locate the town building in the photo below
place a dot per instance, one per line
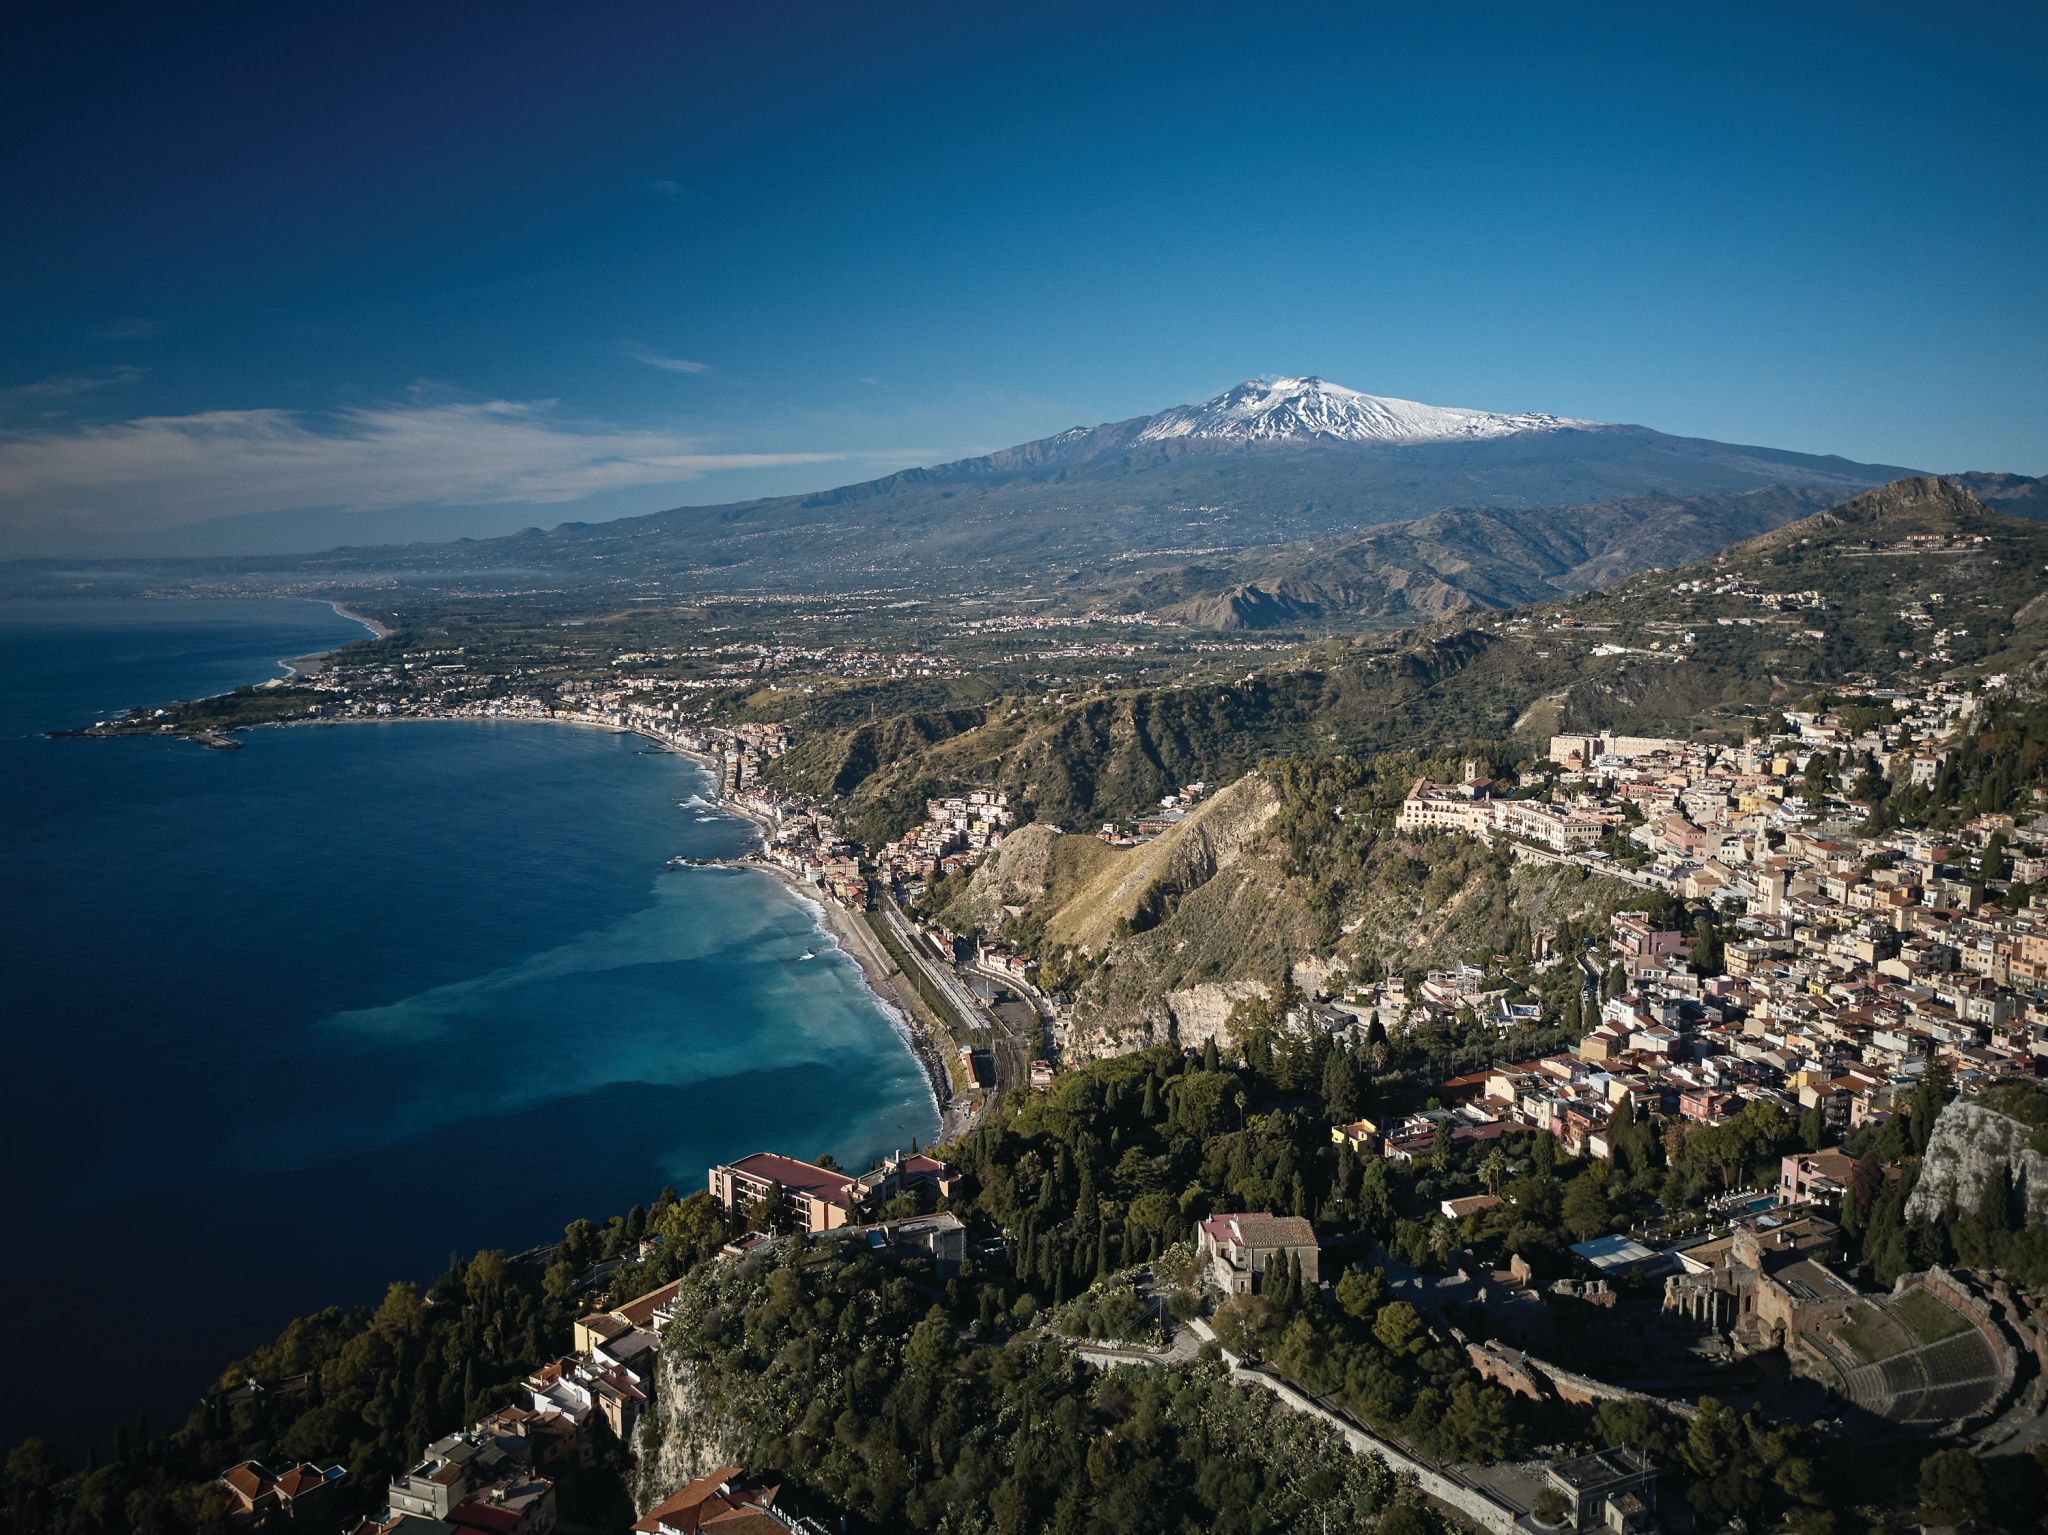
(1612, 1491)
(1240, 1249)
(940, 1239)
(820, 1199)
(1822, 1178)
(815, 1199)
(294, 1497)
(727, 1502)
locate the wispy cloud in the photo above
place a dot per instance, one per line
(129, 328)
(163, 471)
(663, 361)
(64, 386)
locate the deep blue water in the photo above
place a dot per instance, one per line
(289, 1022)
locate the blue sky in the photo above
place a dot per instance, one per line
(363, 272)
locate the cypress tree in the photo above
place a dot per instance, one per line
(1340, 1084)
(1995, 1202)
(1085, 1200)
(1852, 1213)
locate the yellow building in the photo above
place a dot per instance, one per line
(1358, 1135)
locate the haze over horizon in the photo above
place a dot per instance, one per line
(592, 267)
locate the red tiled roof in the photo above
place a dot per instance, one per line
(819, 1182)
(249, 1479)
(640, 1310)
(491, 1518)
(300, 1480)
(1260, 1230)
(721, 1499)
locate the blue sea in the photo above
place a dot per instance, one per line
(286, 1023)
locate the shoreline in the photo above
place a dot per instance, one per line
(377, 631)
(314, 662)
(849, 934)
(842, 925)
(845, 929)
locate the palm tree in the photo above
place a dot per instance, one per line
(1493, 1169)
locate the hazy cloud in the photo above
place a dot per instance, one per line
(131, 328)
(63, 386)
(161, 471)
(667, 364)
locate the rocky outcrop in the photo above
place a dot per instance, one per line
(1018, 875)
(1137, 889)
(1201, 1013)
(688, 1440)
(1181, 929)
(1973, 1144)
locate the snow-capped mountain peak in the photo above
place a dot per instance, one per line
(1309, 409)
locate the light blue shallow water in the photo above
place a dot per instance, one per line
(288, 1022)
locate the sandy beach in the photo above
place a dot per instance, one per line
(316, 663)
(377, 631)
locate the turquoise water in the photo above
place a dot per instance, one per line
(288, 1022)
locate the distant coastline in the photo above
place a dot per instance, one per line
(377, 631)
(315, 662)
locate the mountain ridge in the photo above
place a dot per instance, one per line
(1262, 463)
(1295, 462)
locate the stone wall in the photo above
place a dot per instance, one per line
(1540, 1380)
(1474, 1504)
(1509, 1369)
